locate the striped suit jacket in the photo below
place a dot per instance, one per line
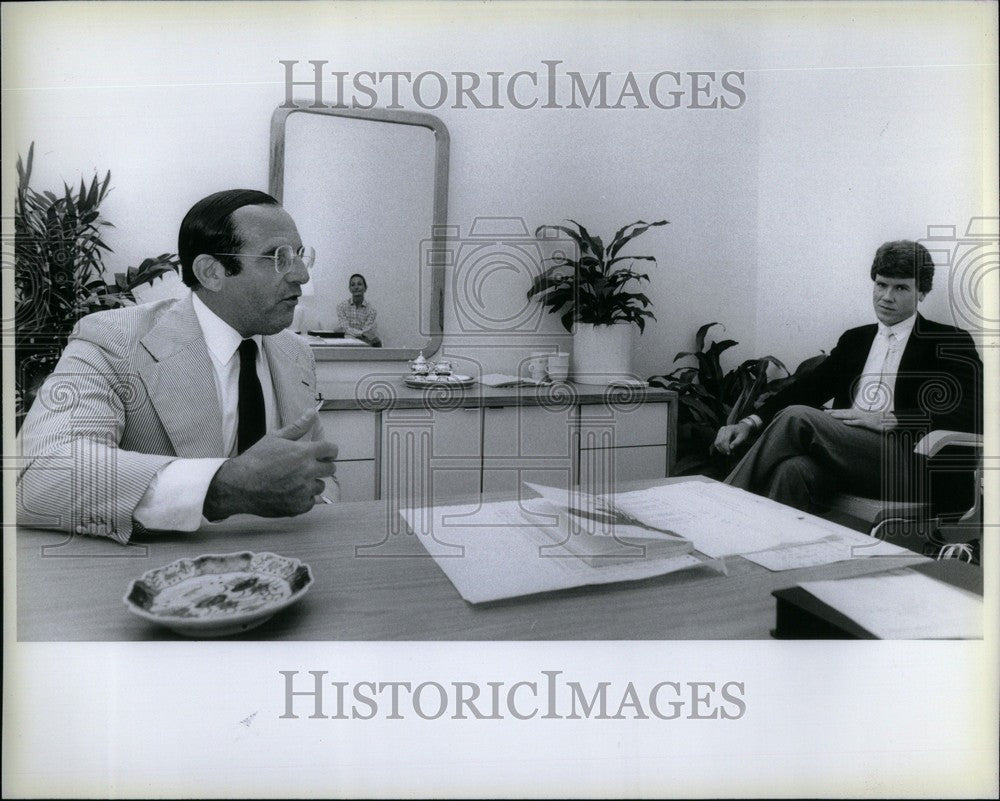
(134, 389)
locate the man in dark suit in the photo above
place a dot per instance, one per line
(890, 382)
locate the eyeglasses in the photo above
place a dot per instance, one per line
(284, 258)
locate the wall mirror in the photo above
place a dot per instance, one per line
(368, 189)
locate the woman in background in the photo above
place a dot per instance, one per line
(356, 316)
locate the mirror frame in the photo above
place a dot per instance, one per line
(438, 233)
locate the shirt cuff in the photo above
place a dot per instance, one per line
(753, 421)
(175, 497)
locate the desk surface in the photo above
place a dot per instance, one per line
(71, 588)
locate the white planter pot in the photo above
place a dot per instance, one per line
(602, 354)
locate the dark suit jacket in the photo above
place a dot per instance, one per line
(938, 386)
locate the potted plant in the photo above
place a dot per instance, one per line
(593, 290)
(59, 273)
(711, 398)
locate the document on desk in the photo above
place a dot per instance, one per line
(510, 549)
(721, 520)
(903, 604)
(838, 547)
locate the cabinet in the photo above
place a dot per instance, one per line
(354, 433)
(415, 453)
(622, 442)
(429, 455)
(528, 443)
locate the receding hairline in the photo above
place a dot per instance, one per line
(241, 218)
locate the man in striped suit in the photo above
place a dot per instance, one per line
(164, 415)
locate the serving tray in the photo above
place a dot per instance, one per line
(427, 382)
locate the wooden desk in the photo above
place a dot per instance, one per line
(72, 588)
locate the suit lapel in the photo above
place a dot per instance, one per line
(866, 336)
(859, 349)
(913, 366)
(913, 353)
(181, 383)
(293, 386)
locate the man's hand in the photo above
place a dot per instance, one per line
(731, 437)
(278, 477)
(875, 421)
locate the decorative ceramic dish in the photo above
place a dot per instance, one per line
(429, 381)
(218, 594)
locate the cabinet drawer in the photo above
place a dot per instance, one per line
(603, 426)
(428, 458)
(356, 479)
(530, 432)
(353, 432)
(508, 482)
(451, 432)
(603, 470)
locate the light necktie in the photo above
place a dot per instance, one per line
(250, 407)
(881, 398)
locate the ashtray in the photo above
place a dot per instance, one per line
(215, 595)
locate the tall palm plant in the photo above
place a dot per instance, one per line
(59, 272)
(58, 253)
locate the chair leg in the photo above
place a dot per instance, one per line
(876, 529)
(957, 550)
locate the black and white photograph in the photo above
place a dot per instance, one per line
(500, 399)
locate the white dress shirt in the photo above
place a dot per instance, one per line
(175, 498)
(878, 378)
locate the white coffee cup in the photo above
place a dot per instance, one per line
(558, 366)
(538, 366)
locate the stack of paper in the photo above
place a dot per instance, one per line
(838, 547)
(509, 549)
(721, 520)
(903, 604)
(599, 541)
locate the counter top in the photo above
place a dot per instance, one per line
(380, 392)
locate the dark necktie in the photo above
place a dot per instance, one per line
(250, 409)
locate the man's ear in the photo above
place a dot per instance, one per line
(209, 272)
(921, 296)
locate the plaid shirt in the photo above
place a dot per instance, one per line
(357, 320)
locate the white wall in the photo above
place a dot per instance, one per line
(873, 132)
(857, 129)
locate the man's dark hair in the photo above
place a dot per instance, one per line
(358, 275)
(905, 259)
(208, 228)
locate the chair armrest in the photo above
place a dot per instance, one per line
(931, 444)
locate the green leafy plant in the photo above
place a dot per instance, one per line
(595, 286)
(711, 398)
(59, 273)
